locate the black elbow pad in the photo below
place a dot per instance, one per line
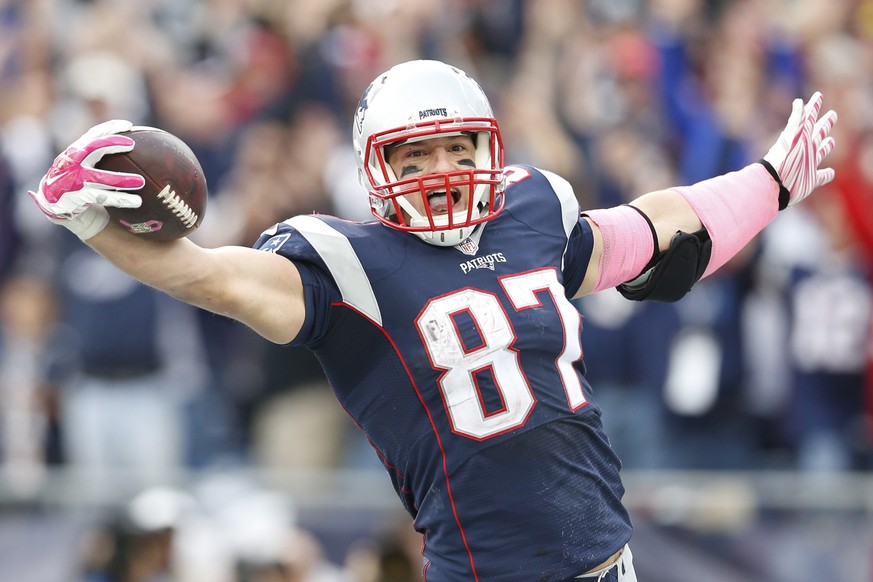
(674, 272)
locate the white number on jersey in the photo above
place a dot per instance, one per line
(461, 364)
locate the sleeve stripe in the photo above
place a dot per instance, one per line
(569, 205)
(343, 263)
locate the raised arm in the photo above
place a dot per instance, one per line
(259, 289)
(665, 241)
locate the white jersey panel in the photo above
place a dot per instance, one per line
(337, 253)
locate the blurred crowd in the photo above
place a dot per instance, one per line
(766, 365)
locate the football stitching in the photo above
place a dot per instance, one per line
(178, 206)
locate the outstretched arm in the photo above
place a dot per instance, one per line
(262, 290)
(725, 213)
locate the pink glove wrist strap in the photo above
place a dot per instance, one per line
(734, 208)
(88, 223)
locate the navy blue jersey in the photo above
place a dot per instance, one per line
(464, 367)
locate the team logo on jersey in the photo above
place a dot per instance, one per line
(274, 244)
(468, 246)
(483, 262)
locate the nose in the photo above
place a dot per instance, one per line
(440, 161)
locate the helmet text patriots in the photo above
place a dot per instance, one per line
(441, 111)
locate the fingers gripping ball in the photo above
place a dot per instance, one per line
(174, 195)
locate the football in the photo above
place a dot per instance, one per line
(174, 195)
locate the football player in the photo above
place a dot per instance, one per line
(445, 325)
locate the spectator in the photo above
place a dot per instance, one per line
(138, 361)
(828, 307)
(30, 346)
(9, 237)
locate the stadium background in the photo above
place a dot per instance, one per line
(741, 413)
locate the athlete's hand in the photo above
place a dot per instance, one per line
(800, 149)
(73, 192)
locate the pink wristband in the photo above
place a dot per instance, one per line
(734, 208)
(628, 244)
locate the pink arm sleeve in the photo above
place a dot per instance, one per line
(628, 244)
(733, 208)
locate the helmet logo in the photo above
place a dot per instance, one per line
(441, 111)
(362, 109)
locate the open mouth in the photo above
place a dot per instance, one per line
(437, 200)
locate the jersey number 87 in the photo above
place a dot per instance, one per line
(460, 365)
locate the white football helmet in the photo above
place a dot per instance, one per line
(420, 100)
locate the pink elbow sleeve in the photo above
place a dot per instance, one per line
(628, 244)
(733, 208)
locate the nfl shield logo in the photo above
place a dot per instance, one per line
(468, 246)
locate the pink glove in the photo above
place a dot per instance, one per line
(800, 149)
(73, 192)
